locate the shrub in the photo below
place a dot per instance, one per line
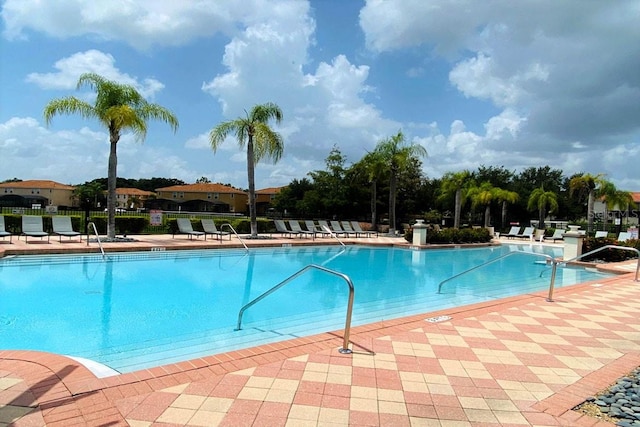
(610, 255)
(454, 235)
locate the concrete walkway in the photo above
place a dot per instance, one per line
(513, 362)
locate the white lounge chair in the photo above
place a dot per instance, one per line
(317, 230)
(557, 235)
(3, 231)
(209, 227)
(513, 232)
(63, 228)
(601, 234)
(527, 233)
(348, 230)
(358, 229)
(32, 226)
(185, 227)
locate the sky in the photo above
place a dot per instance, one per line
(476, 83)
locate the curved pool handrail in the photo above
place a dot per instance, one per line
(236, 233)
(553, 261)
(95, 230)
(345, 344)
(622, 248)
(332, 234)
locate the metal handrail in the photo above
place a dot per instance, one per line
(491, 261)
(331, 233)
(345, 343)
(236, 233)
(95, 230)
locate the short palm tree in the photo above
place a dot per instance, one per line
(373, 166)
(456, 184)
(587, 184)
(396, 155)
(540, 200)
(118, 107)
(505, 197)
(483, 195)
(261, 141)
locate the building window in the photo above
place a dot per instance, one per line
(209, 196)
(216, 196)
(181, 195)
(232, 195)
(175, 196)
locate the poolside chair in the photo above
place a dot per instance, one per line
(295, 226)
(318, 231)
(281, 228)
(3, 232)
(209, 227)
(337, 228)
(539, 235)
(527, 233)
(358, 229)
(62, 227)
(348, 230)
(324, 225)
(624, 236)
(32, 226)
(557, 235)
(185, 227)
(513, 232)
(601, 234)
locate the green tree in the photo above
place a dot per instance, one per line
(396, 155)
(587, 184)
(483, 195)
(261, 141)
(456, 184)
(539, 201)
(330, 185)
(504, 197)
(613, 198)
(373, 167)
(118, 107)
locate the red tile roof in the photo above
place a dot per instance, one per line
(202, 188)
(37, 183)
(270, 190)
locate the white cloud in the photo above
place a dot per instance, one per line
(70, 68)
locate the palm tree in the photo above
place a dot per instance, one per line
(483, 196)
(118, 107)
(504, 197)
(261, 141)
(586, 184)
(372, 165)
(456, 184)
(539, 200)
(614, 198)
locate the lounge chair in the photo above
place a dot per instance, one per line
(513, 232)
(356, 227)
(527, 233)
(295, 226)
(624, 236)
(348, 230)
(539, 235)
(209, 227)
(185, 227)
(63, 228)
(32, 226)
(281, 228)
(324, 225)
(601, 234)
(3, 231)
(311, 226)
(557, 235)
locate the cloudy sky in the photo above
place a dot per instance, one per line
(493, 83)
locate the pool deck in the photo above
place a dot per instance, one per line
(517, 361)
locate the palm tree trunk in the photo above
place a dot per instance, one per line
(504, 214)
(111, 183)
(590, 213)
(252, 186)
(541, 215)
(487, 216)
(392, 203)
(457, 209)
(374, 204)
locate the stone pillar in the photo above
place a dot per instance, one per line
(419, 233)
(572, 242)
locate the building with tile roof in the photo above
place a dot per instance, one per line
(265, 198)
(36, 193)
(201, 197)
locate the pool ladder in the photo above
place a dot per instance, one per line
(347, 328)
(95, 231)
(236, 233)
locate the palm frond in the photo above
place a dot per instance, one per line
(69, 105)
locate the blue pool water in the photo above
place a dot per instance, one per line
(137, 310)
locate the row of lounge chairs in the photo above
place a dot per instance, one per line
(32, 226)
(322, 228)
(209, 227)
(530, 233)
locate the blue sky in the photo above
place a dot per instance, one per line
(495, 83)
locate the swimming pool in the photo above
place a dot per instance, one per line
(138, 310)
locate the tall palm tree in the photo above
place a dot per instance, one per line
(613, 198)
(483, 195)
(118, 107)
(261, 141)
(539, 200)
(456, 184)
(373, 166)
(586, 184)
(504, 197)
(396, 155)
